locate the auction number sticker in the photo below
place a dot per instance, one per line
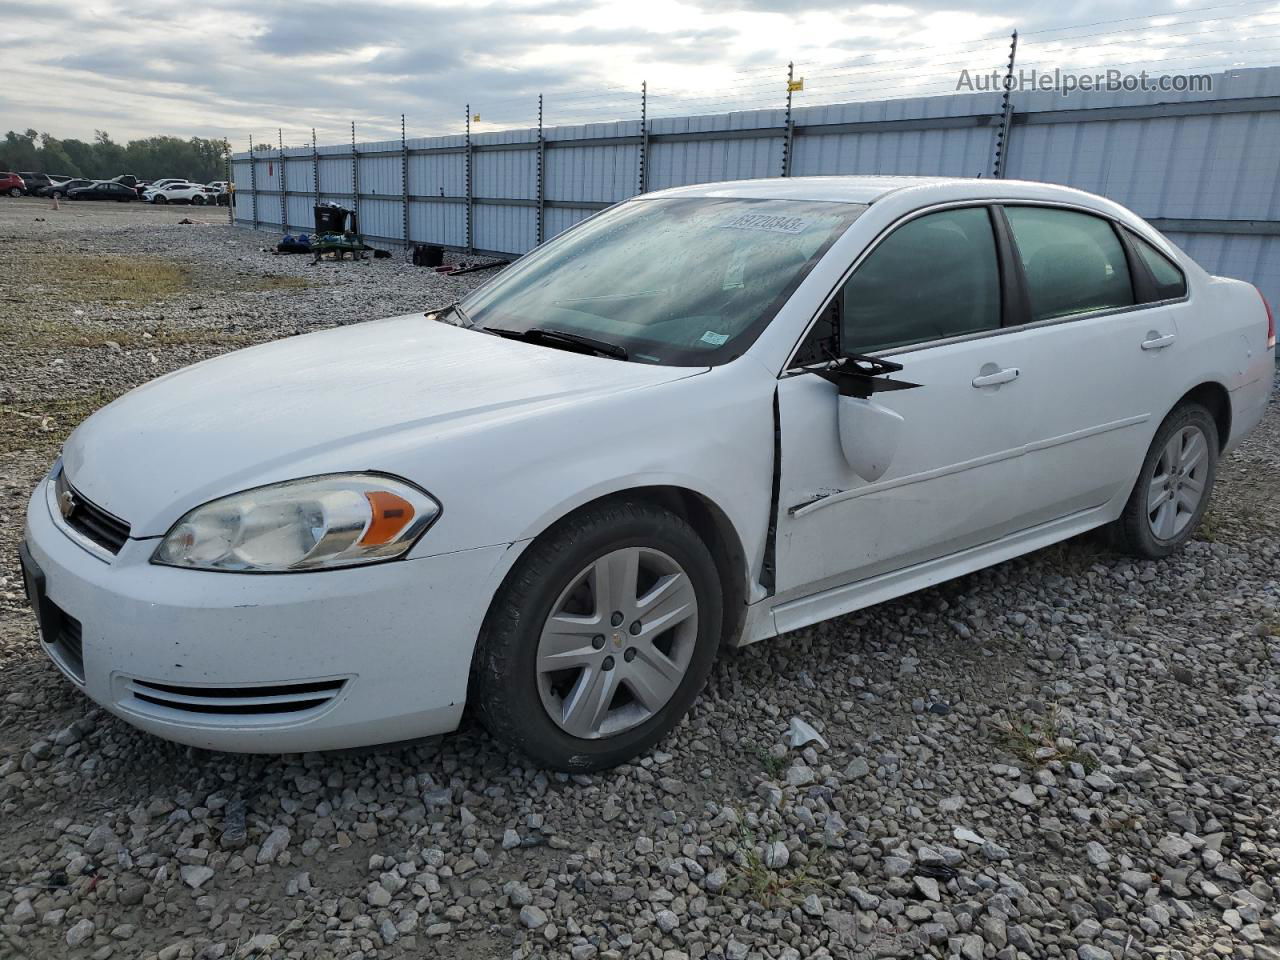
(768, 223)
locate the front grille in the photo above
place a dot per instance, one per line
(88, 519)
(258, 700)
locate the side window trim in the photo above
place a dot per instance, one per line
(1015, 302)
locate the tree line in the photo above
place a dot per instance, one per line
(196, 159)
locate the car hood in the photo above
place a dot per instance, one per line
(324, 402)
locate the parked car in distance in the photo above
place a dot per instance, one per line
(103, 190)
(703, 417)
(61, 188)
(12, 184)
(179, 193)
(156, 185)
(34, 181)
(128, 179)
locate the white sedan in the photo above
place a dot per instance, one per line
(703, 417)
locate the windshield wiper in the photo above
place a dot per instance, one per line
(562, 338)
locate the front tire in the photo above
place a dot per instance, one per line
(159, 199)
(15, 191)
(1174, 486)
(600, 638)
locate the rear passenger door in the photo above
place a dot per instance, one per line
(1101, 358)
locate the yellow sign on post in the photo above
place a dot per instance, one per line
(796, 85)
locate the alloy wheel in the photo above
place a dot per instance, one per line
(618, 643)
(1178, 483)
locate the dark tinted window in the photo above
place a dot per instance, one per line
(933, 277)
(1073, 262)
(1169, 281)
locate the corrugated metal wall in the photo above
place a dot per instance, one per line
(1205, 168)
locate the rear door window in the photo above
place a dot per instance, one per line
(1073, 262)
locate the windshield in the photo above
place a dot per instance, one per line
(683, 281)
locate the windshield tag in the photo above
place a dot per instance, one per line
(715, 339)
(769, 224)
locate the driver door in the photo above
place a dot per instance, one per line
(927, 296)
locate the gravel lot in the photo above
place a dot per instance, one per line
(1069, 755)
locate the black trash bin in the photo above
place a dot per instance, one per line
(333, 219)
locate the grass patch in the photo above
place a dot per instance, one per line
(1036, 745)
(106, 278)
(753, 880)
(282, 281)
(773, 766)
(45, 428)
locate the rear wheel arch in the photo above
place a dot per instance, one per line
(1214, 397)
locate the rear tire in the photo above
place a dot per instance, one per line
(539, 667)
(159, 199)
(15, 191)
(1173, 488)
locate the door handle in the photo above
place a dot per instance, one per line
(997, 378)
(1156, 342)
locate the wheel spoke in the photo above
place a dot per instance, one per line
(613, 581)
(588, 703)
(1193, 451)
(1194, 484)
(652, 678)
(1172, 455)
(1188, 500)
(1157, 494)
(671, 601)
(566, 642)
(1166, 519)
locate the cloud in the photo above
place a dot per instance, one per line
(244, 67)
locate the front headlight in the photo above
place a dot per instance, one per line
(338, 520)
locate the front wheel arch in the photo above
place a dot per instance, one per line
(711, 524)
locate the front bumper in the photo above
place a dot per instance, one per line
(266, 663)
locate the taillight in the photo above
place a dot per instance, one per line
(1271, 323)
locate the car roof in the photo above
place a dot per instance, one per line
(869, 189)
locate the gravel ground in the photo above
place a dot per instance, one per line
(1069, 755)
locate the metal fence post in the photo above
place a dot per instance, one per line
(542, 190)
(1001, 156)
(253, 181)
(789, 127)
(284, 186)
(355, 178)
(404, 185)
(643, 179)
(315, 168)
(231, 193)
(467, 179)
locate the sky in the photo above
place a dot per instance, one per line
(236, 69)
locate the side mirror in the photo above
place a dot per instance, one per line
(869, 436)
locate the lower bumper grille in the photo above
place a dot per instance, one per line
(259, 701)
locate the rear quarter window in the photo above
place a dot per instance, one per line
(1170, 282)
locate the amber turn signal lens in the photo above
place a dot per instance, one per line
(391, 514)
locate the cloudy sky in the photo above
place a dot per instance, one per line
(237, 68)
